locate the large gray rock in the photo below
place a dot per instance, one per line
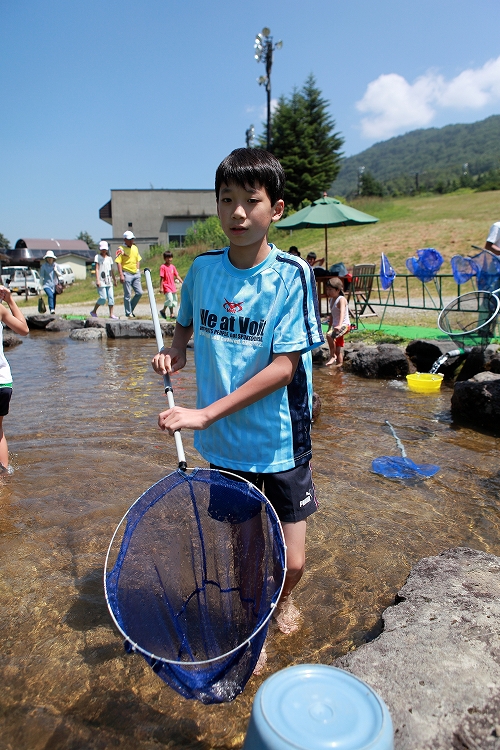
(61, 324)
(382, 361)
(87, 334)
(321, 354)
(95, 323)
(136, 329)
(477, 401)
(437, 662)
(39, 321)
(423, 353)
(10, 339)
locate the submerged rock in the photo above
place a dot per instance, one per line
(437, 662)
(10, 339)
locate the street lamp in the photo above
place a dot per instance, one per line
(250, 136)
(264, 49)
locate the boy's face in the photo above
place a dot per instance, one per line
(246, 213)
(167, 260)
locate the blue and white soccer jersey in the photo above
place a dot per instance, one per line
(241, 318)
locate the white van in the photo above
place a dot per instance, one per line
(66, 275)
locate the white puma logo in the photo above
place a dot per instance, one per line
(306, 500)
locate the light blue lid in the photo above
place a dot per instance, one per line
(315, 706)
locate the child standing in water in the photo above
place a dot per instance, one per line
(338, 323)
(254, 315)
(14, 319)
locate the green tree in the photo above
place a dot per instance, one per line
(4, 242)
(85, 236)
(208, 232)
(370, 186)
(304, 142)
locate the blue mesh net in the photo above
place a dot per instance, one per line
(463, 268)
(488, 271)
(200, 566)
(399, 467)
(426, 265)
(387, 272)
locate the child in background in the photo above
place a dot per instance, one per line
(14, 319)
(338, 323)
(253, 312)
(168, 278)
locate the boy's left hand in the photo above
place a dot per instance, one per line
(175, 419)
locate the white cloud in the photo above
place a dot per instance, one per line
(393, 105)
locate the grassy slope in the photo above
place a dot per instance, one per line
(450, 223)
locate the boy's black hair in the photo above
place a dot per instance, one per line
(248, 166)
(167, 254)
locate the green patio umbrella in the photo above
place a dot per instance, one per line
(326, 212)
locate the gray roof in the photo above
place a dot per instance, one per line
(27, 249)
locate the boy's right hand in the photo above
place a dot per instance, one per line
(169, 360)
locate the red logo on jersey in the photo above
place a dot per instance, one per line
(232, 307)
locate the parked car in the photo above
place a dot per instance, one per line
(66, 275)
(23, 278)
(9, 271)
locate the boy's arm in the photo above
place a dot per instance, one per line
(13, 317)
(276, 375)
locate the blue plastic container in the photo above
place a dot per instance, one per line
(314, 707)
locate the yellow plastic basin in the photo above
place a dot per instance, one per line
(424, 382)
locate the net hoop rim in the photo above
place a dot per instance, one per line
(139, 649)
(461, 334)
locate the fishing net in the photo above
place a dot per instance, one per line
(488, 271)
(470, 319)
(426, 265)
(401, 467)
(196, 574)
(463, 268)
(387, 272)
(485, 266)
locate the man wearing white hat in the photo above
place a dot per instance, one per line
(127, 261)
(49, 276)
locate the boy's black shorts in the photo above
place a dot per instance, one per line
(291, 493)
(5, 395)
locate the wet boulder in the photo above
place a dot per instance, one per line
(437, 662)
(321, 354)
(61, 324)
(87, 334)
(39, 321)
(479, 360)
(477, 401)
(316, 405)
(10, 339)
(136, 329)
(423, 353)
(382, 361)
(95, 323)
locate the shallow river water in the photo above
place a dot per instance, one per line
(84, 444)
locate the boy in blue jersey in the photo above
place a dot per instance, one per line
(254, 315)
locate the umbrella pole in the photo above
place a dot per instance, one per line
(326, 248)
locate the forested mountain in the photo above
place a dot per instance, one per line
(428, 159)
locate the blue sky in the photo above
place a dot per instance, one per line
(102, 94)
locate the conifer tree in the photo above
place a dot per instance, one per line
(304, 142)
